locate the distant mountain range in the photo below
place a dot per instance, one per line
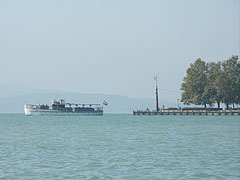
(14, 96)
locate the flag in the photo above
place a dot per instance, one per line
(105, 103)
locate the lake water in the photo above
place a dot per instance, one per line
(119, 147)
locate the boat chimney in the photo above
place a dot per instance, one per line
(62, 101)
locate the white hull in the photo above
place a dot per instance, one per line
(40, 112)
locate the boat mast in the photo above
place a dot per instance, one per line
(157, 108)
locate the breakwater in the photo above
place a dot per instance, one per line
(189, 112)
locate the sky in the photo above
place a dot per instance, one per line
(113, 47)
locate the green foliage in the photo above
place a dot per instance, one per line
(194, 83)
(229, 78)
(237, 81)
(212, 83)
(211, 90)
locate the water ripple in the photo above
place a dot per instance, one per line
(119, 147)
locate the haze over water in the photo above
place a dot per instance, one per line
(119, 147)
(113, 47)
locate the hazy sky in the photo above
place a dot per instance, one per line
(113, 47)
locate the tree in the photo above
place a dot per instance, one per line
(237, 100)
(211, 93)
(194, 83)
(229, 81)
(237, 87)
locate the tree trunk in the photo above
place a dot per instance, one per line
(233, 106)
(205, 105)
(218, 103)
(227, 105)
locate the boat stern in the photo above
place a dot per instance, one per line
(27, 110)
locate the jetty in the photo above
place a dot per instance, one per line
(183, 112)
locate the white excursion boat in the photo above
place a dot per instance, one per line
(60, 108)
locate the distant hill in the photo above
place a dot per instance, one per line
(13, 97)
(10, 90)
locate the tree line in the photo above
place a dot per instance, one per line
(212, 83)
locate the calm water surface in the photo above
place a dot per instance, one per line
(119, 147)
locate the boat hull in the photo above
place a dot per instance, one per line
(40, 112)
